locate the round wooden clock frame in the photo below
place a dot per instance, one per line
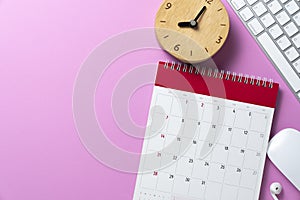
(192, 30)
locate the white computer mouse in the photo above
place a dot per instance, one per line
(284, 152)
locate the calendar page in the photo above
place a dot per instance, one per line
(198, 146)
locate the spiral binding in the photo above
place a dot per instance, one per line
(220, 74)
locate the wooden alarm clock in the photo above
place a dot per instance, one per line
(192, 30)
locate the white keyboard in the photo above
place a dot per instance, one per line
(275, 26)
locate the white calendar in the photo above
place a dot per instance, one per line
(199, 146)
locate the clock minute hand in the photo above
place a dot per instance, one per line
(200, 13)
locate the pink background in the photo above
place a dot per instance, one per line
(42, 45)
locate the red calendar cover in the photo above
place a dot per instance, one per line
(237, 87)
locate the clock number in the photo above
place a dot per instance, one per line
(209, 1)
(219, 40)
(168, 6)
(176, 47)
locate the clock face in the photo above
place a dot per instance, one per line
(192, 30)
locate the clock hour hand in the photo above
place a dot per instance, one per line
(184, 24)
(190, 24)
(200, 13)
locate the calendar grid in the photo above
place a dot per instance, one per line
(232, 146)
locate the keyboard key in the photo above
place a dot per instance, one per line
(297, 18)
(259, 9)
(283, 42)
(255, 26)
(267, 20)
(246, 14)
(283, 1)
(297, 65)
(292, 7)
(266, 1)
(274, 6)
(296, 40)
(251, 2)
(238, 4)
(292, 54)
(275, 31)
(291, 29)
(280, 61)
(282, 18)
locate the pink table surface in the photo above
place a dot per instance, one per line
(42, 45)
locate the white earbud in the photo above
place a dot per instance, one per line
(275, 189)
